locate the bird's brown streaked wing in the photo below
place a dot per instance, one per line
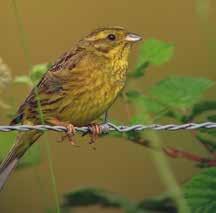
(68, 60)
(51, 84)
(46, 85)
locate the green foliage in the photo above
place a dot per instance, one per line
(204, 139)
(36, 73)
(200, 192)
(158, 204)
(23, 79)
(212, 118)
(151, 105)
(199, 109)
(93, 196)
(139, 71)
(180, 92)
(180, 98)
(168, 96)
(152, 52)
(155, 52)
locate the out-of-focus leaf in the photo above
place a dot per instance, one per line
(211, 132)
(52, 210)
(23, 79)
(200, 108)
(139, 71)
(145, 105)
(158, 204)
(202, 137)
(149, 104)
(200, 192)
(32, 157)
(132, 95)
(94, 196)
(38, 71)
(212, 118)
(180, 92)
(116, 134)
(152, 52)
(155, 52)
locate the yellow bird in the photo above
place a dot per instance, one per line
(78, 88)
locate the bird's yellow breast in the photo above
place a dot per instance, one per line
(92, 93)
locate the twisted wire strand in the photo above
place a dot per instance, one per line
(107, 127)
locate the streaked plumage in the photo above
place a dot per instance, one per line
(79, 87)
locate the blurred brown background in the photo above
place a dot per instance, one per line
(51, 27)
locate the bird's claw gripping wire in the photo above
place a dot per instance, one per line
(69, 134)
(70, 130)
(94, 131)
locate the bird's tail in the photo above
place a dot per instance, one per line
(23, 141)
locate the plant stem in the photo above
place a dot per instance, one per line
(21, 34)
(28, 61)
(164, 170)
(167, 175)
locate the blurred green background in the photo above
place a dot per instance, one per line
(51, 27)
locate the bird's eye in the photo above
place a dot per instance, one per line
(111, 37)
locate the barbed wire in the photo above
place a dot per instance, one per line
(107, 127)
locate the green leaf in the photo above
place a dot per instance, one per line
(38, 71)
(199, 108)
(23, 79)
(210, 132)
(155, 52)
(161, 203)
(32, 157)
(203, 138)
(180, 92)
(139, 71)
(212, 118)
(94, 196)
(152, 52)
(146, 102)
(132, 95)
(200, 192)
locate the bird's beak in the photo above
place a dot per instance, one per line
(132, 37)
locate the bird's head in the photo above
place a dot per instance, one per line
(111, 41)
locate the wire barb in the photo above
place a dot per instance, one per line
(107, 127)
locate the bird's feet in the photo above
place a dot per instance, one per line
(94, 131)
(69, 133)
